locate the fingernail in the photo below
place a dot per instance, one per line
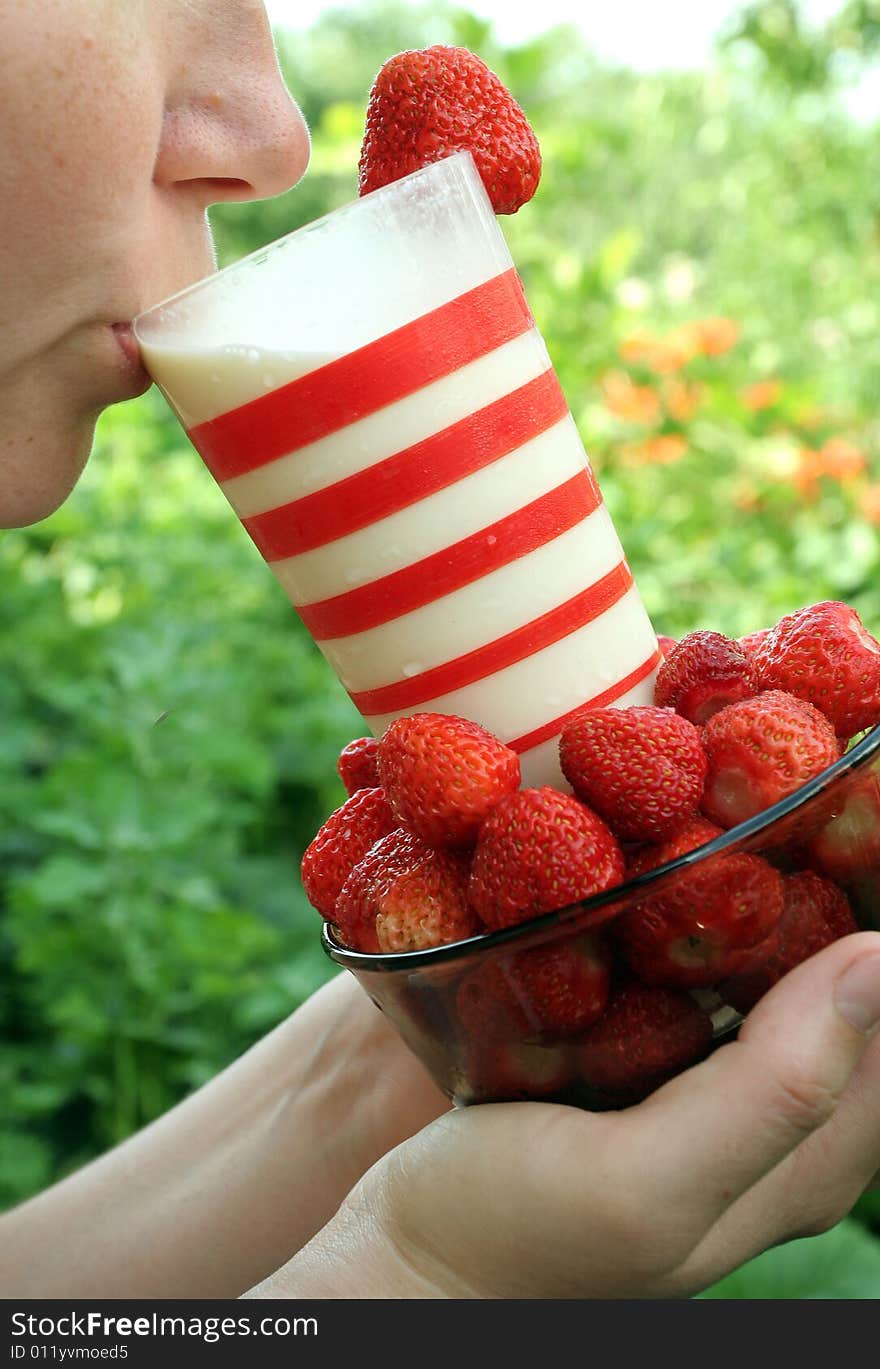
(857, 995)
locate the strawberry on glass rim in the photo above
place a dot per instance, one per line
(427, 104)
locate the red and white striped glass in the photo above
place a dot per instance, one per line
(375, 401)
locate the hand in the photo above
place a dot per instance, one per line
(375, 1093)
(773, 1137)
(242, 1172)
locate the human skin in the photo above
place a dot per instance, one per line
(327, 1142)
(121, 123)
(149, 111)
(773, 1137)
(215, 1195)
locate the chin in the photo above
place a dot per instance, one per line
(38, 472)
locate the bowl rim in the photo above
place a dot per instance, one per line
(578, 913)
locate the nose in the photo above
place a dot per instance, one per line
(237, 134)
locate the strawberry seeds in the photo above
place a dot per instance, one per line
(448, 845)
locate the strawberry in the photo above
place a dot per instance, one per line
(759, 751)
(692, 833)
(752, 641)
(551, 990)
(338, 846)
(425, 905)
(666, 644)
(354, 916)
(703, 674)
(429, 103)
(694, 930)
(824, 654)
(443, 775)
(488, 1009)
(509, 1070)
(357, 765)
(540, 850)
(645, 1036)
(815, 913)
(838, 914)
(641, 768)
(848, 846)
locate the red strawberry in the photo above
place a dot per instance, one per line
(838, 913)
(640, 768)
(645, 1036)
(815, 914)
(357, 765)
(694, 832)
(540, 850)
(824, 654)
(848, 846)
(510, 1070)
(545, 990)
(666, 644)
(807, 895)
(346, 836)
(704, 673)
(759, 751)
(426, 905)
(443, 775)
(356, 906)
(693, 931)
(487, 1008)
(752, 641)
(427, 104)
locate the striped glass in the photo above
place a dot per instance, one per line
(376, 402)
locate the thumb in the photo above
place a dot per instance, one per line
(717, 1129)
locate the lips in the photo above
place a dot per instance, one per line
(136, 373)
(126, 339)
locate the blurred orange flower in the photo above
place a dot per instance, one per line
(749, 500)
(837, 459)
(634, 403)
(683, 400)
(682, 345)
(662, 355)
(808, 471)
(842, 460)
(869, 504)
(637, 346)
(762, 395)
(714, 336)
(661, 450)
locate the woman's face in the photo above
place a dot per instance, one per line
(120, 122)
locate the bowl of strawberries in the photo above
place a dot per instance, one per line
(585, 943)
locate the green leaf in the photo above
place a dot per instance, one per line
(842, 1263)
(617, 253)
(25, 1164)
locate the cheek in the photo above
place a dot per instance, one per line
(81, 119)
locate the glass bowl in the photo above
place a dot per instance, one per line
(435, 998)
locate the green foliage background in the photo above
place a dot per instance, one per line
(168, 732)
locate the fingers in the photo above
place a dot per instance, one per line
(809, 1191)
(518, 1200)
(716, 1131)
